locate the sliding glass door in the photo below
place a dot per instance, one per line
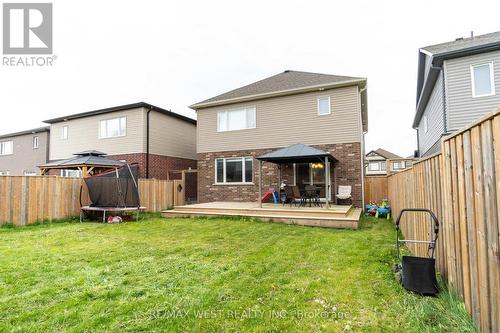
(310, 174)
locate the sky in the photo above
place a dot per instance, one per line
(175, 53)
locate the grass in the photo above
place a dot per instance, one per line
(211, 275)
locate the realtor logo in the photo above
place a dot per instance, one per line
(27, 28)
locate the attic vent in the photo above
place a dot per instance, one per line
(459, 38)
(287, 71)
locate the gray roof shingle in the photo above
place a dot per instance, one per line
(463, 43)
(294, 153)
(287, 80)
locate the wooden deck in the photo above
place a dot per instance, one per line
(334, 217)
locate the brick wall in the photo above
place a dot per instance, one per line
(159, 165)
(347, 171)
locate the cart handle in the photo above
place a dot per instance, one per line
(432, 243)
(425, 210)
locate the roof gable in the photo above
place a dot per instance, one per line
(383, 153)
(285, 81)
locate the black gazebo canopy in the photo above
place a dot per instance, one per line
(297, 153)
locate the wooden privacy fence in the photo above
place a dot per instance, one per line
(375, 188)
(25, 200)
(461, 186)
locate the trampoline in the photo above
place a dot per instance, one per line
(113, 191)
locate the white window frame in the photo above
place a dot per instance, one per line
(36, 142)
(29, 173)
(4, 173)
(224, 182)
(224, 113)
(2, 148)
(64, 132)
(426, 124)
(396, 166)
(99, 134)
(374, 163)
(473, 80)
(68, 172)
(329, 105)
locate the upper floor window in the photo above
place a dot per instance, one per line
(324, 105)
(4, 173)
(35, 142)
(29, 173)
(398, 165)
(111, 128)
(483, 81)
(233, 120)
(6, 148)
(64, 132)
(233, 170)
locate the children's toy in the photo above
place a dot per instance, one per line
(272, 193)
(382, 210)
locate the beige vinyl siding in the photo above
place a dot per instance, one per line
(462, 109)
(172, 137)
(282, 121)
(83, 134)
(24, 158)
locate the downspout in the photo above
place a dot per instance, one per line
(362, 148)
(147, 141)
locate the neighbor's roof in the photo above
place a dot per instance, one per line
(295, 153)
(460, 47)
(88, 158)
(31, 131)
(287, 83)
(121, 108)
(461, 44)
(384, 153)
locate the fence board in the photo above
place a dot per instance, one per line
(375, 188)
(26, 200)
(461, 185)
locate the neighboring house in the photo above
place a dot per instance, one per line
(22, 152)
(328, 112)
(376, 161)
(158, 140)
(458, 82)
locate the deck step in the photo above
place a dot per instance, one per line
(269, 211)
(349, 220)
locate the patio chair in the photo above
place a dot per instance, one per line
(312, 194)
(344, 194)
(290, 197)
(299, 195)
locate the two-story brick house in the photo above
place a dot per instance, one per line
(22, 152)
(327, 112)
(158, 140)
(458, 82)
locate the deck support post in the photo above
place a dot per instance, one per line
(260, 184)
(327, 182)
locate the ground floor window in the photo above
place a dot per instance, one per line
(234, 170)
(30, 173)
(71, 173)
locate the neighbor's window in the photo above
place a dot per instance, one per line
(374, 166)
(30, 173)
(382, 166)
(4, 173)
(398, 165)
(483, 82)
(111, 128)
(6, 148)
(35, 142)
(71, 173)
(324, 105)
(64, 132)
(233, 170)
(236, 119)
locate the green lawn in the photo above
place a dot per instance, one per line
(210, 275)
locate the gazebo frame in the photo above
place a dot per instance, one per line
(298, 153)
